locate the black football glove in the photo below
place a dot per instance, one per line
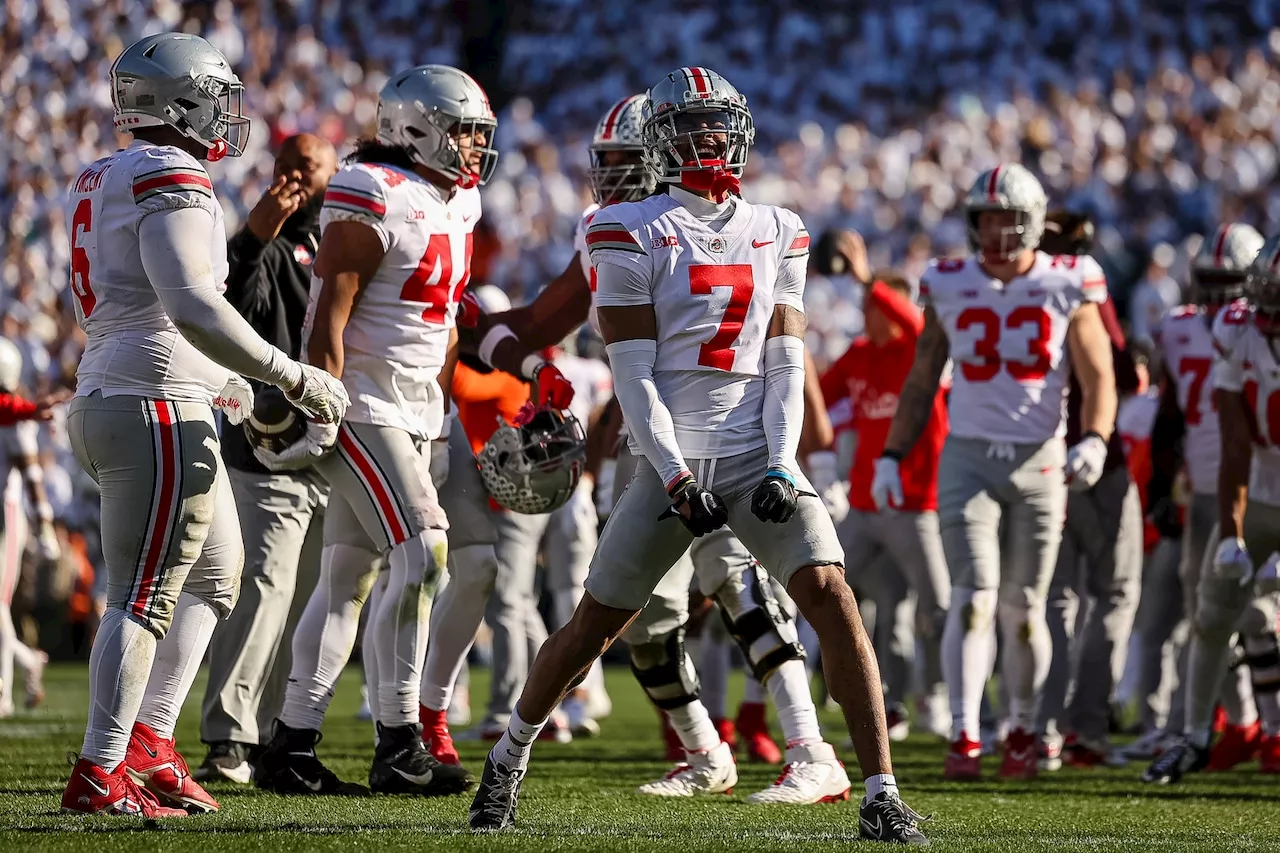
(706, 511)
(776, 498)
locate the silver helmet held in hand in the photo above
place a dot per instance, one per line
(180, 81)
(618, 171)
(534, 468)
(1220, 270)
(426, 109)
(1009, 186)
(683, 107)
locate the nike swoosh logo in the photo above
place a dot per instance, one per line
(873, 829)
(102, 790)
(314, 787)
(756, 244)
(425, 779)
(148, 750)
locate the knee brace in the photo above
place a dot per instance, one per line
(1258, 636)
(665, 671)
(763, 630)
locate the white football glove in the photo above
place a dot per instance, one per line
(886, 485)
(47, 545)
(1085, 461)
(822, 468)
(319, 394)
(318, 441)
(1231, 561)
(235, 400)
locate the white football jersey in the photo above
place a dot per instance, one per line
(584, 258)
(132, 347)
(1186, 337)
(18, 443)
(397, 337)
(1008, 343)
(713, 293)
(1247, 363)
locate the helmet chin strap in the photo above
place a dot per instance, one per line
(467, 179)
(713, 179)
(217, 151)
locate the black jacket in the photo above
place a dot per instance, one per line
(268, 284)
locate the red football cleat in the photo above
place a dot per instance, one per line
(1220, 719)
(436, 736)
(1078, 753)
(1237, 745)
(154, 763)
(1021, 758)
(92, 790)
(754, 729)
(963, 759)
(728, 732)
(1269, 754)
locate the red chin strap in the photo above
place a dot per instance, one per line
(217, 151)
(467, 179)
(714, 180)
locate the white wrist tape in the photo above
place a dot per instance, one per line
(491, 339)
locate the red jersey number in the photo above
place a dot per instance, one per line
(986, 360)
(81, 224)
(1198, 368)
(433, 281)
(703, 278)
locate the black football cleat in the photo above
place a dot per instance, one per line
(1178, 758)
(402, 765)
(886, 818)
(288, 765)
(494, 806)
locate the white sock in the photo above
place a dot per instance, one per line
(27, 658)
(455, 618)
(881, 782)
(369, 649)
(693, 724)
(177, 660)
(326, 633)
(399, 627)
(512, 749)
(967, 651)
(713, 659)
(792, 699)
(1028, 652)
(118, 669)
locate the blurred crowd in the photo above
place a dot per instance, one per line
(1160, 118)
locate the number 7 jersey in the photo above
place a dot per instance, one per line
(1008, 343)
(713, 294)
(397, 336)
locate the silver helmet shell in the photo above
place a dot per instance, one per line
(1221, 268)
(533, 468)
(682, 108)
(620, 130)
(427, 109)
(1009, 186)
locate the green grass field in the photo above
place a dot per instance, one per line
(580, 797)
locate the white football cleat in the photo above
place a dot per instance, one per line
(710, 772)
(812, 774)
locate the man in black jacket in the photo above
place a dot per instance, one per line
(281, 514)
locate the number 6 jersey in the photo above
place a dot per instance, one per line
(1008, 343)
(398, 334)
(713, 275)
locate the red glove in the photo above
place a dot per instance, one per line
(469, 310)
(550, 388)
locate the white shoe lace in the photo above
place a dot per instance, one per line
(502, 793)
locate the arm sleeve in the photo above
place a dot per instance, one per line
(1166, 445)
(248, 284)
(175, 254)
(898, 308)
(1122, 362)
(783, 399)
(647, 417)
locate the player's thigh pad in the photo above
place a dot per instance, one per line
(969, 512)
(384, 475)
(156, 463)
(636, 550)
(808, 538)
(1035, 511)
(463, 496)
(717, 558)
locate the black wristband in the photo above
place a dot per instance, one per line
(895, 455)
(1095, 434)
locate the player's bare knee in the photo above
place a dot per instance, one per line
(817, 588)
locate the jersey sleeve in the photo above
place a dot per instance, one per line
(1093, 281)
(1229, 328)
(580, 241)
(355, 194)
(169, 179)
(789, 288)
(624, 268)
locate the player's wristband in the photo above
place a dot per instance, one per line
(895, 455)
(780, 474)
(531, 365)
(491, 339)
(679, 482)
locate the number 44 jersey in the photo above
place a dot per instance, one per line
(713, 291)
(397, 336)
(1008, 343)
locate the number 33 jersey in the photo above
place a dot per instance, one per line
(1247, 364)
(713, 293)
(1008, 343)
(397, 335)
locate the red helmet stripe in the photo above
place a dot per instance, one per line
(613, 117)
(1220, 245)
(700, 82)
(991, 184)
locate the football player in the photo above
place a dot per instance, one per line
(1186, 435)
(148, 258)
(21, 450)
(1237, 587)
(699, 300)
(1014, 321)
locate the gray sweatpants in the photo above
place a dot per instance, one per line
(1092, 601)
(281, 519)
(1163, 631)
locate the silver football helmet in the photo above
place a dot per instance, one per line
(1220, 269)
(620, 131)
(180, 81)
(427, 109)
(1264, 287)
(682, 110)
(1008, 186)
(534, 468)
(10, 365)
